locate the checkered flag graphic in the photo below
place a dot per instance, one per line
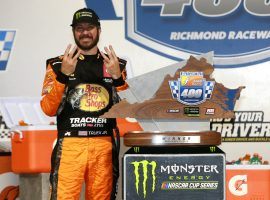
(5, 135)
(4, 131)
(209, 87)
(6, 42)
(174, 86)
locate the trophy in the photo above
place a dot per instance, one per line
(176, 155)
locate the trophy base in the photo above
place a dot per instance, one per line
(171, 138)
(163, 173)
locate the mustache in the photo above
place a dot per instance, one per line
(85, 36)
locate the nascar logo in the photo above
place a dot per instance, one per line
(6, 43)
(191, 88)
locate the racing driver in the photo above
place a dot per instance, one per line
(79, 87)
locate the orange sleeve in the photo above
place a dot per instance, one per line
(52, 93)
(125, 85)
(122, 87)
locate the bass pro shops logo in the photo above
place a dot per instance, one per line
(148, 171)
(89, 97)
(236, 30)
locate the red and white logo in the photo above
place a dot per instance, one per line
(210, 111)
(238, 185)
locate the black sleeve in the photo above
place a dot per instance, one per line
(56, 66)
(120, 81)
(62, 78)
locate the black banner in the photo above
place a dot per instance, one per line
(174, 176)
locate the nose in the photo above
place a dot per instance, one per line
(85, 31)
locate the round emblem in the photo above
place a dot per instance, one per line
(89, 97)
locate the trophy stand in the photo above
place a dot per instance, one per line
(172, 139)
(176, 155)
(173, 165)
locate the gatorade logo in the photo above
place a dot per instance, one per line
(238, 185)
(144, 171)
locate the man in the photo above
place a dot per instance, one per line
(79, 87)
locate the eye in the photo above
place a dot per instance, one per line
(91, 27)
(79, 29)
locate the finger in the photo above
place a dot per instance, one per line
(113, 52)
(109, 53)
(72, 51)
(67, 50)
(77, 55)
(106, 59)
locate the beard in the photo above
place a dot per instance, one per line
(86, 47)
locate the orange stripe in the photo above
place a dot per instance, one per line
(122, 87)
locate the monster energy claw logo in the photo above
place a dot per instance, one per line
(83, 14)
(136, 149)
(144, 164)
(212, 148)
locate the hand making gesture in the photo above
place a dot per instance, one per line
(111, 62)
(69, 61)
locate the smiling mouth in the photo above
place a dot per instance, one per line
(86, 39)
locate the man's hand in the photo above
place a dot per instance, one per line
(69, 61)
(111, 62)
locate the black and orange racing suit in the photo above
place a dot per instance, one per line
(86, 149)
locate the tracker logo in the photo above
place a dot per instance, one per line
(144, 172)
(193, 27)
(238, 185)
(6, 43)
